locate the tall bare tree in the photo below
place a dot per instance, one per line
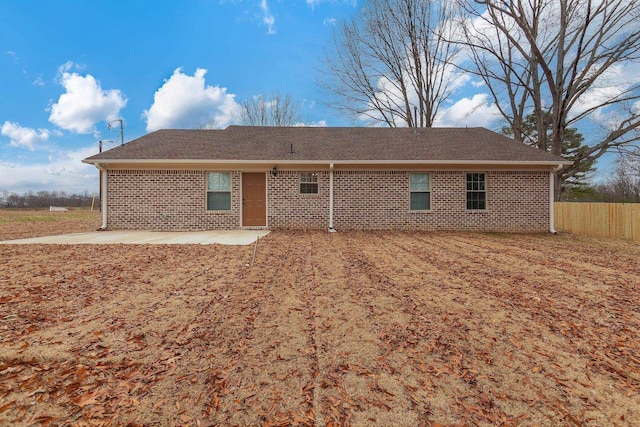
(563, 58)
(274, 111)
(393, 63)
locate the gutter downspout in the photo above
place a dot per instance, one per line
(331, 229)
(103, 195)
(552, 195)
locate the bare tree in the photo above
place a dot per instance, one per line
(275, 111)
(562, 58)
(393, 64)
(623, 185)
(213, 123)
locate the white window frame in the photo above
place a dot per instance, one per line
(308, 180)
(214, 191)
(420, 191)
(478, 190)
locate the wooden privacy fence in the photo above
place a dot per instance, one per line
(614, 220)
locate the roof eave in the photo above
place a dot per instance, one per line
(324, 162)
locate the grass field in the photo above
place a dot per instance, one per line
(21, 223)
(353, 328)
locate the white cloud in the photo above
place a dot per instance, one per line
(65, 68)
(619, 81)
(84, 103)
(390, 93)
(267, 17)
(330, 22)
(457, 79)
(24, 137)
(64, 171)
(38, 81)
(475, 111)
(314, 3)
(185, 101)
(318, 124)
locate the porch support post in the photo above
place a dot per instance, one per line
(331, 229)
(103, 195)
(552, 197)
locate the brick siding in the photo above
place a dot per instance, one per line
(166, 201)
(516, 201)
(176, 200)
(287, 208)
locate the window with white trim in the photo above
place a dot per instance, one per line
(308, 183)
(476, 191)
(219, 191)
(420, 191)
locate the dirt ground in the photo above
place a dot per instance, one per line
(351, 328)
(22, 224)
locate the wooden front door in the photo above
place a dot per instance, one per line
(254, 200)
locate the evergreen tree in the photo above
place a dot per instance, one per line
(573, 183)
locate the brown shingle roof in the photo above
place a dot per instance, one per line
(338, 144)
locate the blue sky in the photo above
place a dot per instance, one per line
(68, 67)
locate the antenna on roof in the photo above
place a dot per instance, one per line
(101, 144)
(291, 152)
(110, 125)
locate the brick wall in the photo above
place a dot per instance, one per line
(516, 201)
(166, 201)
(287, 208)
(176, 200)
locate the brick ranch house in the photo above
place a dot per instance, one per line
(327, 178)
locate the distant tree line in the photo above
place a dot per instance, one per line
(44, 199)
(623, 185)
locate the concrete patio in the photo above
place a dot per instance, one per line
(222, 237)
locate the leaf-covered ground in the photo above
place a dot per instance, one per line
(25, 223)
(352, 328)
